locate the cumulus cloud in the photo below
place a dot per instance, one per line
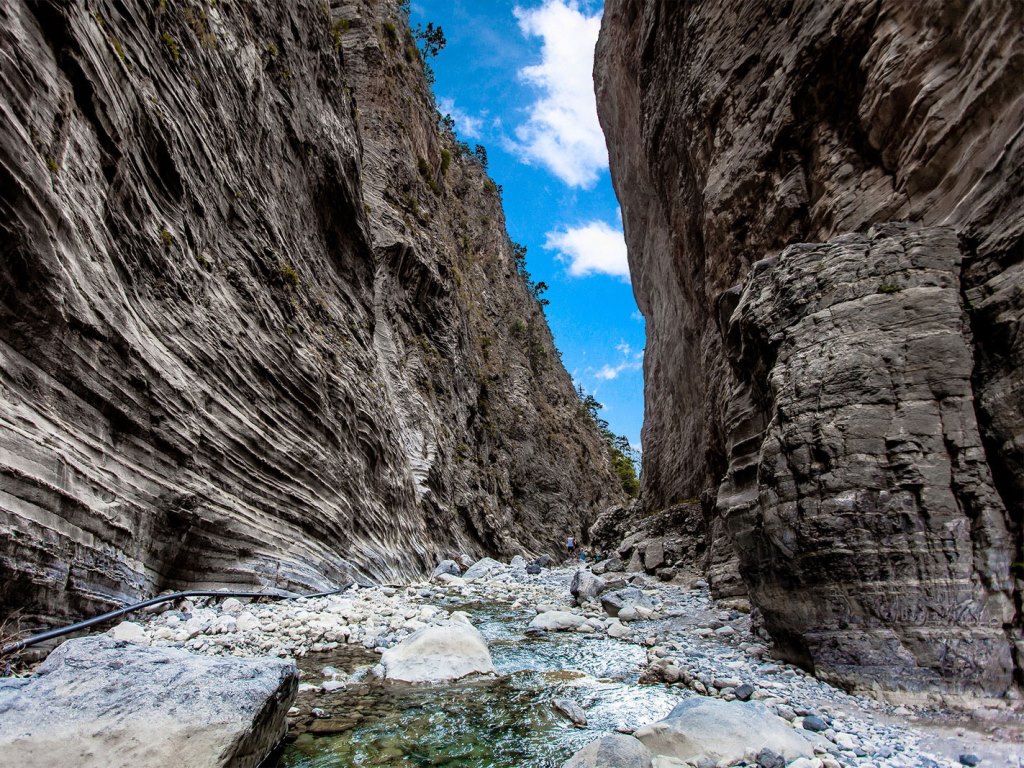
(468, 126)
(591, 248)
(562, 132)
(631, 361)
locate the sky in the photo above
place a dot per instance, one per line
(516, 76)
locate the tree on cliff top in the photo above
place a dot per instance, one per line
(622, 454)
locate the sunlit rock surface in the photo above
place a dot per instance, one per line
(260, 323)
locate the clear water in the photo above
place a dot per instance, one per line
(495, 723)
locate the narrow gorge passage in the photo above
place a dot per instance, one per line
(628, 383)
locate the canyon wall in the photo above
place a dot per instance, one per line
(822, 205)
(260, 321)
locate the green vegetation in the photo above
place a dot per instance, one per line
(53, 165)
(167, 237)
(272, 50)
(430, 38)
(289, 275)
(621, 452)
(519, 259)
(172, 47)
(490, 186)
(428, 176)
(338, 28)
(480, 153)
(889, 288)
(446, 161)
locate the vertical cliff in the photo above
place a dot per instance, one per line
(260, 322)
(822, 208)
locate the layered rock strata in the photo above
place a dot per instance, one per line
(260, 322)
(851, 412)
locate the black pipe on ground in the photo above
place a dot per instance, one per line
(50, 634)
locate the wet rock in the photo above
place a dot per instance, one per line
(585, 585)
(613, 751)
(96, 702)
(571, 710)
(438, 653)
(969, 760)
(556, 621)
(721, 731)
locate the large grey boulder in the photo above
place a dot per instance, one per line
(449, 567)
(585, 585)
(613, 751)
(556, 621)
(482, 568)
(97, 703)
(435, 654)
(621, 599)
(723, 732)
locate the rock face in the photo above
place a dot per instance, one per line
(260, 322)
(97, 702)
(857, 171)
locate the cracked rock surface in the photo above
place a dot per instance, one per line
(861, 473)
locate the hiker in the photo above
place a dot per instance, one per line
(570, 545)
(583, 555)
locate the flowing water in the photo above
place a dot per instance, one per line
(493, 723)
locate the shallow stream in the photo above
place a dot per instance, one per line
(494, 723)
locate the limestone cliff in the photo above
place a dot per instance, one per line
(822, 206)
(260, 323)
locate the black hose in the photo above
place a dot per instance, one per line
(61, 631)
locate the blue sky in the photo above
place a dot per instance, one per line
(516, 78)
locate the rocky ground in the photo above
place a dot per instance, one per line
(692, 644)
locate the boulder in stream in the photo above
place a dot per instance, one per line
(436, 654)
(586, 585)
(630, 597)
(723, 732)
(613, 751)
(556, 621)
(97, 702)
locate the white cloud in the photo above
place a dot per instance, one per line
(631, 361)
(468, 126)
(592, 248)
(562, 132)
